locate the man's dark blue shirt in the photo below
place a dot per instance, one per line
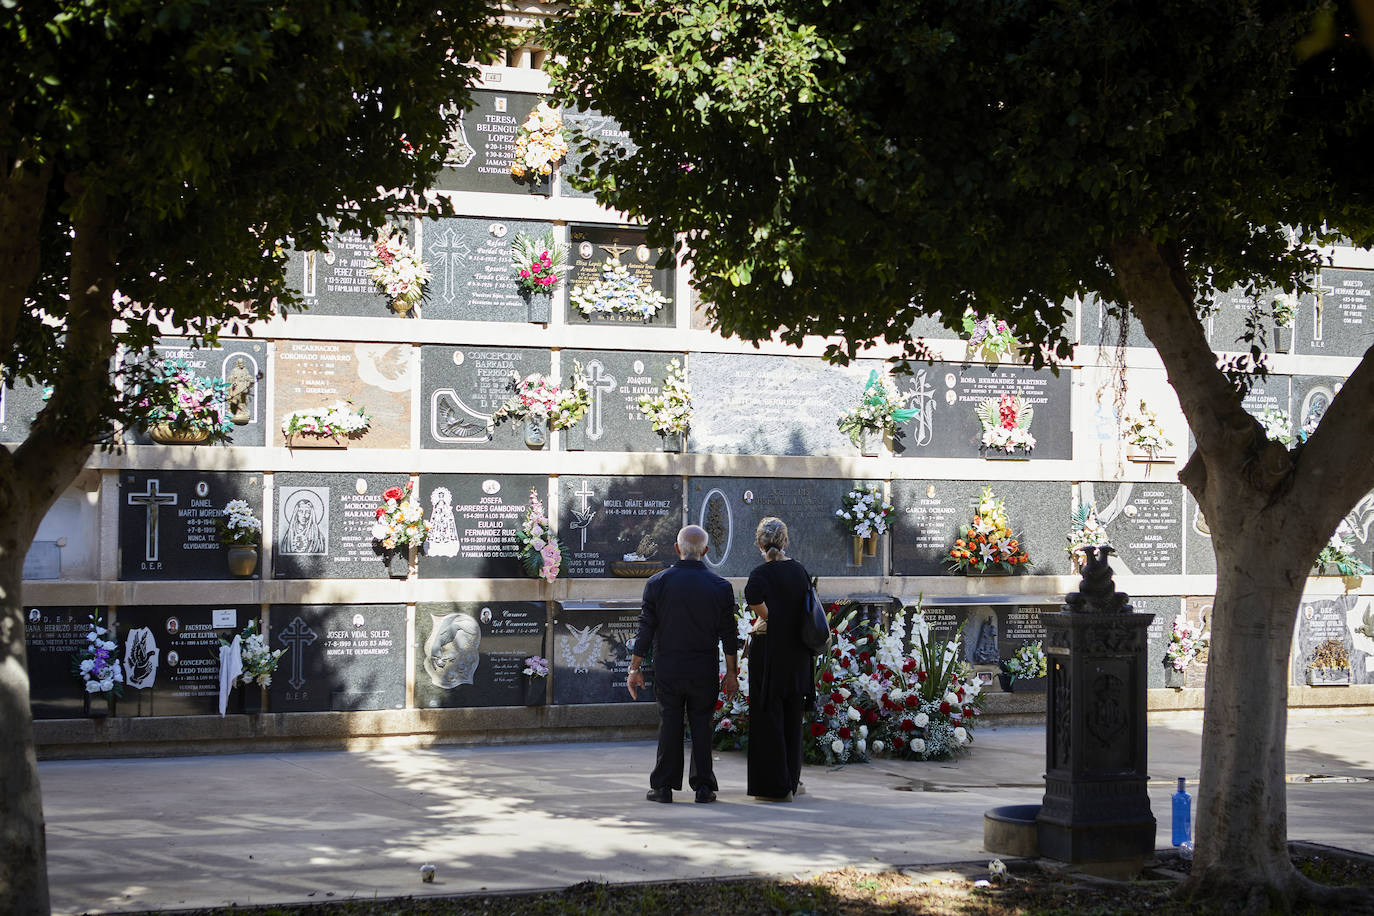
(687, 611)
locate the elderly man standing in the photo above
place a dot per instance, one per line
(687, 611)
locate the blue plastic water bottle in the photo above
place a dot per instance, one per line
(1183, 815)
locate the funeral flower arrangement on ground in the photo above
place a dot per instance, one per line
(540, 551)
(865, 512)
(1006, 423)
(539, 144)
(259, 662)
(174, 396)
(1085, 530)
(537, 398)
(879, 410)
(537, 262)
(987, 541)
(400, 520)
(874, 695)
(98, 663)
(988, 337)
(1027, 662)
(616, 291)
(340, 420)
(239, 527)
(398, 271)
(670, 408)
(1186, 639)
(1340, 552)
(1144, 432)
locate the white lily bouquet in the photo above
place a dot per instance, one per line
(259, 662)
(670, 409)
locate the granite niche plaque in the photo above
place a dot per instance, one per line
(621, 526)
(947, 397)
(169, 522)
(930, 513)
(1102, 328)
(338, 657)
(472, 278)
(324, 524)
(482, 147)
(171, 657)
(1345, 618)
(730, 509)
(470, 654)
(338, 280)
(592, 646)
(617, 380)
(19, 405)
(375, 377)
(604, 130)
(1144, 524)
(462, 387)
(242, 364)
(52, 638)
(1337, 321)
(1199, 558)
(592, 247)
(1234, 313)
(1165, 608)
(475, 518)
(1311, 397)
(771, 405)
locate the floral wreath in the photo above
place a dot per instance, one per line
(1006, 423)
(615, 291)
(539, 144)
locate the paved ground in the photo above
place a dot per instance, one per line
(249, 829)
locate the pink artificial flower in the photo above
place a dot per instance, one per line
(524, 274)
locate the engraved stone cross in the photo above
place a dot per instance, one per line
(295, 637)
(597, 382)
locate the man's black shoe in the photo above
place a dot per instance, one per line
(705, 796)
(660, 795)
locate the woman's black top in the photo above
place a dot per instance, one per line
(787, 663)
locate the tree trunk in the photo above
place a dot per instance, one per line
(23, 862)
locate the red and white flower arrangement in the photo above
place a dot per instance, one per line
(1185, 641)
(537, 262)
(398, 271)
(880, 691)
(1006, 423)
(400, 520)
(538, 398)
(540, 551)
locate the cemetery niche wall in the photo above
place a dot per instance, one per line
(364, 640)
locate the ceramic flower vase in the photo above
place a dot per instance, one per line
(401, 306)
(166, 434)
(242, 560)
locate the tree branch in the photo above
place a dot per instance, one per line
(22, 194)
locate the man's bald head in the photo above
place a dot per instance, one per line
(692, 541)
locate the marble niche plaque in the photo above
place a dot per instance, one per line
(1199, 558)
(243, 366)
(1165, 608)
(603, 130)
(52, 638)
(171, 657)
(749, 404)
(930, 513)
(1020, 625)
(1338, 617)
(470, 654)
(169, 522)
(1144, 523)
(1337, 321)
(601, 520)
(472, 278)
(338, 280)
(1099, 327)
(482, 147)
(943, 621)
(376, 377)
(947, 395)
(1311, 396)
(590, 657)
(617, 380)
(592, 246)
(730, 508)
(338, 657)
(475, 518)
(461, 387)
(18, 408)
(324, 524)
(1229, 317)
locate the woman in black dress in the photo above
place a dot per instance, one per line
(780, 667)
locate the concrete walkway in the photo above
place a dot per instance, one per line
(176, 833)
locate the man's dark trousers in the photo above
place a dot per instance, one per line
(697, 698)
